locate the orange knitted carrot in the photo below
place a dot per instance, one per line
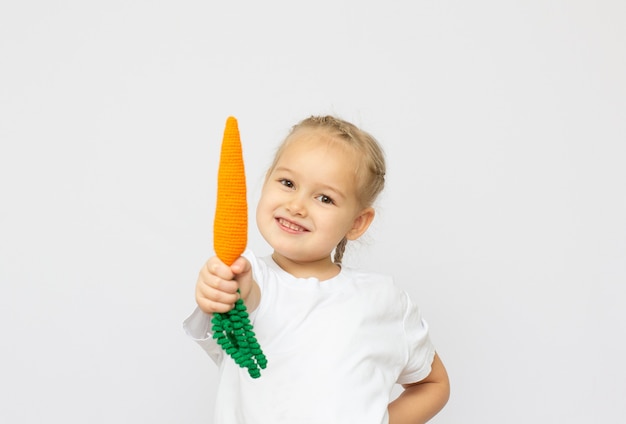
(230, 227)
(233, 330)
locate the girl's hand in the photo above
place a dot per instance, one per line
(217, 285)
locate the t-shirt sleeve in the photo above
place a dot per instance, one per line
(198, 327)
(420, 348)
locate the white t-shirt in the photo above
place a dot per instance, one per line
(335, 349)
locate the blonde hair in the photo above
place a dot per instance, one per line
(372, 167)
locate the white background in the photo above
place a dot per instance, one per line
(504, 215)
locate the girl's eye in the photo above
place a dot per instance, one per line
(325, 199)
(286, 182)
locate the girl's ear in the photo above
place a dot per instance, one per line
(361, 223)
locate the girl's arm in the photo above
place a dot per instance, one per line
(421, 401)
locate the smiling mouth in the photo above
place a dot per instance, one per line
(290, 226)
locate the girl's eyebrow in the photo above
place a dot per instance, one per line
(282, 168)
(335, 193)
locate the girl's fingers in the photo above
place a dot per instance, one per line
(210, 306)
(218, 290)
(221, 285)
(216, 267)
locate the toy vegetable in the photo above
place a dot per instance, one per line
(233, 330)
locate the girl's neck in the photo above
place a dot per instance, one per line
(323, 269)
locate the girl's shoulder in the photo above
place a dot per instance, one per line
(361, 276)
(375, 284)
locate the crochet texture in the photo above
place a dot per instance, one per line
(233, 330)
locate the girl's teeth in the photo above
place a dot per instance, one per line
(290, 225)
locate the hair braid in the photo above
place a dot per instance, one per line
(339, 250)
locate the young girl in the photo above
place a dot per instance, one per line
(337, 339)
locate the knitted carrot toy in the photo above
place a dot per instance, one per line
(233, 330)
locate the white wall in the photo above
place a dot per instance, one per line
(504, 213)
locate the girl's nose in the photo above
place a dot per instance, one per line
(295, 206)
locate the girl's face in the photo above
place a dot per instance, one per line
(309, 202)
